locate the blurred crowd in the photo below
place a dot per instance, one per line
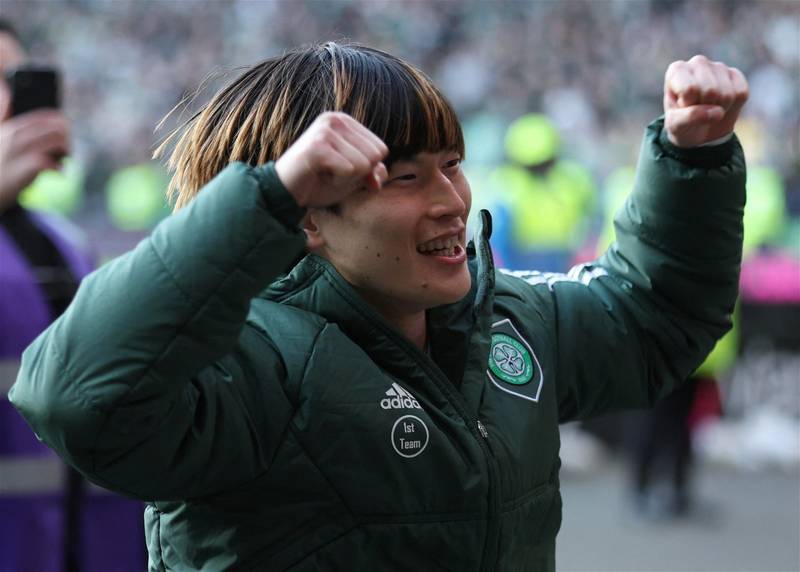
(594, 67)
(554, 97)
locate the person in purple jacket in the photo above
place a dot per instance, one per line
(43, 257)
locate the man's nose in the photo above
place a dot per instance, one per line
(446, 200)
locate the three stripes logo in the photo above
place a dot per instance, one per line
(399, 398)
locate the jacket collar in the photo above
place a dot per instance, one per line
(316, 286)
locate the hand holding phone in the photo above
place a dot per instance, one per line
(33, 87)
(34, 135)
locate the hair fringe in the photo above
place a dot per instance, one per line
(258, 115)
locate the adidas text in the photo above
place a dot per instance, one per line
(399, 398)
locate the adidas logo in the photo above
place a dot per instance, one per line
(399, 398)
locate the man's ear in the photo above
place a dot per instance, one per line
(309, 224)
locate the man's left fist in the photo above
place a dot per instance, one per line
(702, 100)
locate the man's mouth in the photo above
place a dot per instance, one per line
(443, 246)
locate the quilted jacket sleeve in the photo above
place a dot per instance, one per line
(139, 384)
(640, 319)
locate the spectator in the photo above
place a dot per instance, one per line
(43, 259)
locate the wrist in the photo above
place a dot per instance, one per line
(284, 174)
(718, 141)
(714, 142)
(280, 202)
(706, 156)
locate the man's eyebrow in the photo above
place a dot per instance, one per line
(414, 159)
(404, 159)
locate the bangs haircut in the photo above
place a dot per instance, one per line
(261, 113)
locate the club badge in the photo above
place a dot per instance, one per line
(513, 367)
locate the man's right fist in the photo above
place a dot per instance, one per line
(334, 157)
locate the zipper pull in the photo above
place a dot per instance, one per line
(482, 429)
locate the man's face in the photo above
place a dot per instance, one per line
(11, 55)
(403, 247)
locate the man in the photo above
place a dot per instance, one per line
(393, 402)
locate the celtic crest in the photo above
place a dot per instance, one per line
(510, 360)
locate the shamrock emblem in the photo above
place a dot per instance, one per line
(508, 359)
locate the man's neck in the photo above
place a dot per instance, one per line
(412, 326)
(411, 323)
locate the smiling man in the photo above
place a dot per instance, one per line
(402, 248)
(392, 401)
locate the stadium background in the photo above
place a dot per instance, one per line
(595, 68)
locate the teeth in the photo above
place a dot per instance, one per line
(447, 244)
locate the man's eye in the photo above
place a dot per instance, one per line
(452, 164)
(409, 177)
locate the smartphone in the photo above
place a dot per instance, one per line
(33, 87)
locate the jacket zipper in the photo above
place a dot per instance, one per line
(474, 424)
(478, 430)
(490, 546)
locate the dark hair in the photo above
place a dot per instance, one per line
(6, 27)
(262, 112)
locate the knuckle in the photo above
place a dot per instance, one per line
(691, 90)
(674, 68)
(319, 155)
(363, 165)
(743, 94)
(720, 67)
(382, 151)
(329, 119)
(322, 138)
(739, 77)
(321, 119)
(328, 164)
(338, 118)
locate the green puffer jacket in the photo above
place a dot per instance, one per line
(293, 428)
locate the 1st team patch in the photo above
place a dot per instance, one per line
(513, 367)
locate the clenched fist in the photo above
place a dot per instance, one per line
(702, 100)
(334, 157)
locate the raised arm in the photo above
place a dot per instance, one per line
(145, 384)
(645, 315)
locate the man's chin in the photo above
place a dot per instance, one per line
(454, 294)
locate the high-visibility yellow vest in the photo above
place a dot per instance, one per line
(549, 211)
(135, 198)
